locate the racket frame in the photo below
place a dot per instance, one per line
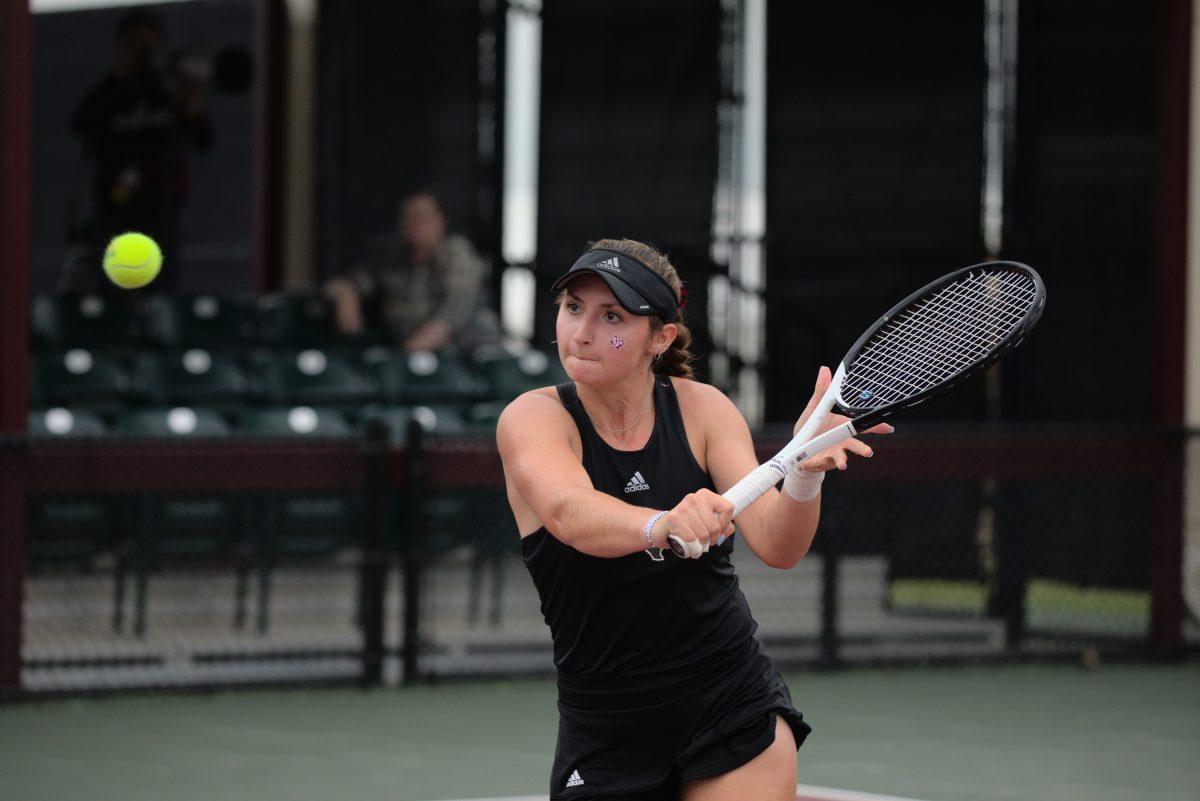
(867, 417)
(804, 445)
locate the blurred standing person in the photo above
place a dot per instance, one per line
(426, 285)
(136, 124)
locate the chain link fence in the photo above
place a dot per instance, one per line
(223, 563)
(948, 546)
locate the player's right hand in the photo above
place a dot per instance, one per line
(698, 520)
(836, 456)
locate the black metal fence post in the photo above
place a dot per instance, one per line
(373, 573)
(414, 480)
(830, 586)
(13, 533)
(1012, 582)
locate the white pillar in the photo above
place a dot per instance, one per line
(1191, 365)
(736, 309)
(752, 209)
(522, 112)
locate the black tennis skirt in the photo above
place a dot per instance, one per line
(642, 737)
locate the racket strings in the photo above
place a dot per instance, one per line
(935, 339)
(918, 352)
(938, 337)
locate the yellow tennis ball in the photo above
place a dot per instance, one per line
(132, 260)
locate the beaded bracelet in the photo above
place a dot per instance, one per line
(650, 525)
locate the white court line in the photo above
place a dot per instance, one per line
(505, 798)
(830, 794)
(802, 790)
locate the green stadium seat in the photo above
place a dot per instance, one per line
(43, 321)
(288, 319)
(423, 377)
(185, 530)
(59, 423)
(313, 376)
(454, 519)
(433, 419)
(203, 320)
(298, 527)
(214, 379)
(484, 415)
(79, 376)
(295, 421)
(478, 520)
(172, 423)
(37, 393)
(182, 528)
(68, 532)
(493, 536)
(92, 320)
(509, 374)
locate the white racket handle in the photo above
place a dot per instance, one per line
(770, 472)
(801, 446)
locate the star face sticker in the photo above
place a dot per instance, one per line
(616, 342)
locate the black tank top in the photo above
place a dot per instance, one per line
(636, 614)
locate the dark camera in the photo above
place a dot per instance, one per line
(226, 69)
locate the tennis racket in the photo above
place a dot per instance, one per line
(925, 346)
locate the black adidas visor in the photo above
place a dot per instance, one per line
(637, 288)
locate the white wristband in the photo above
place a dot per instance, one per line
(803, 485)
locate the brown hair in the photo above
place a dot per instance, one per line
(676, 359)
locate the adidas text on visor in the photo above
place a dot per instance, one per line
(637, 288)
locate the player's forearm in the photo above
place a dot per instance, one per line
(789, 531)
(598, 524)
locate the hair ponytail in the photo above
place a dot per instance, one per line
(677, 359)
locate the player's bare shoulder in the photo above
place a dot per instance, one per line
(702, 402)
(539, 402)
(537, 411)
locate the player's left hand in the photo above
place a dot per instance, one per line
(837, 456)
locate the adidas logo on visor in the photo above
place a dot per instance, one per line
(609, 264)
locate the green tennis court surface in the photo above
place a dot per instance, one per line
(979, 734)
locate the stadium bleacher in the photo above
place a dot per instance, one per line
(219, 367)
(272, 367)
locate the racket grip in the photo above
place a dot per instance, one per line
(677, 546)
(765, 476)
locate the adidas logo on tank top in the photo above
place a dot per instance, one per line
(637, 483)
(576, 780)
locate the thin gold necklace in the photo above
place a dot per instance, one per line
(645, 406)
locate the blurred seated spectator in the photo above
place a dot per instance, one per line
(427, 287)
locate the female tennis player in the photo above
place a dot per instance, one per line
(663, 689)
